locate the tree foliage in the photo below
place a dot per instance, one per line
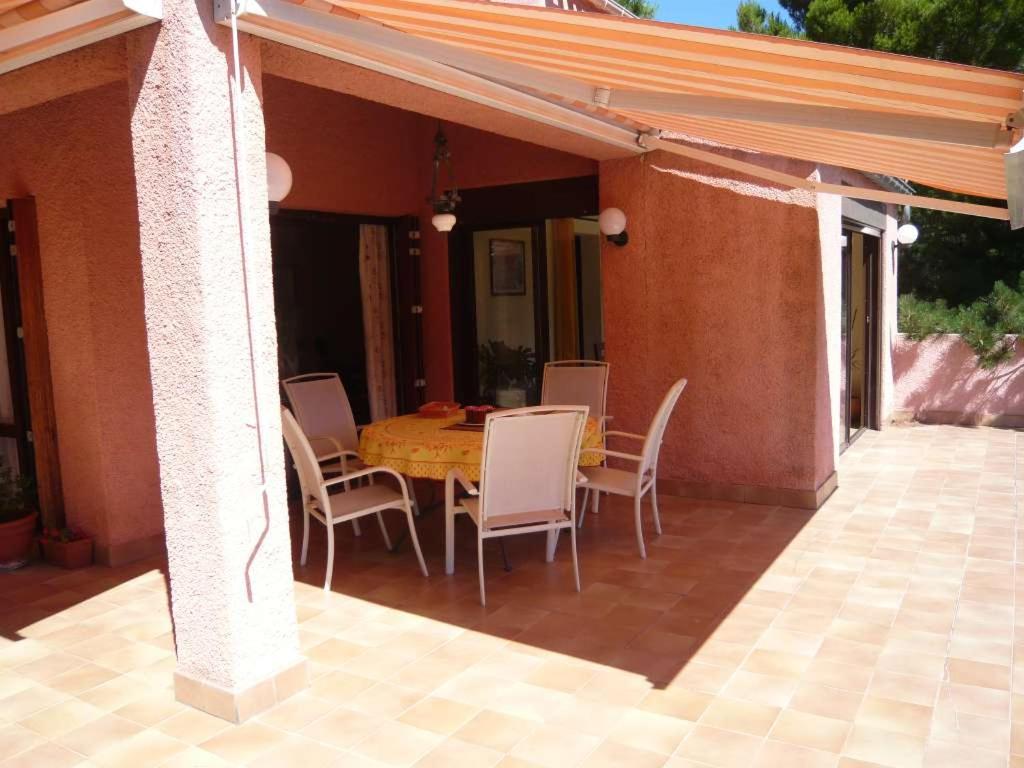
(752, 17)
(989, 325)
(644, 9)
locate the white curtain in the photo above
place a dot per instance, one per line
(375, 282)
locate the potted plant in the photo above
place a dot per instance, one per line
(66, 547)
(508, 374)
(17, 519)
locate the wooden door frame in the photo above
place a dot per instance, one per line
(510, 206)
(871, 401)
(23, 267)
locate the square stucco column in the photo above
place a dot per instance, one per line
(205, 249)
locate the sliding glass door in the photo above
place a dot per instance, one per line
(858, 384)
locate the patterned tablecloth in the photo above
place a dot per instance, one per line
(419, 447)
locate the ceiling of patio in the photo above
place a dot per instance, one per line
(14, 12)
(579, 53)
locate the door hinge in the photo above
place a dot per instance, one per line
(14, 250)
(20, 332)
(28, 436)
(10, 225)
(414, 234)
(414, 251)
(417, 309)
(420, 383)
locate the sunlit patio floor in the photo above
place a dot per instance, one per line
(878, 631)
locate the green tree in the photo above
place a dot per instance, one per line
(645, 9)
(752, 17)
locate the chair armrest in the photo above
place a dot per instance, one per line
(338, 450)
(465, 482)
(350, 476)
(581, 479)
(630, 435)
(605, 419)
(614, 454)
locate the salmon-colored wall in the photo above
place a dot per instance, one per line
(720, 283)
(74, 155)
(349, 155)
(939, 380)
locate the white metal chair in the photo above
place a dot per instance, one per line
(528, 480)
(645, 478)
(323, 411)
(577, 382)
(343, 505)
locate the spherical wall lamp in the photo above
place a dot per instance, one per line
(612, 223)
(907, 234)
(279, 180)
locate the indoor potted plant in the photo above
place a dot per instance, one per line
(508, 374)
(17, 519)
(66, 547)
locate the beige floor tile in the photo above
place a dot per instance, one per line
(439, 715)
(612, 754)
(677, 702)
(650, 731)
(48, 755)
(192, 726)
(244, 743)
(884, 748)
(899, 716)
(812, 731)
(769, 690)
(97, 735)
(193, 757)
(720, 748)
(778, 754)
(148, 747)
(342, 728)
(555, 747)
(62, 718)
(496, 730)
(15, 739)
(738, 715)
(455, 753)
(298, 751)
(397, 744)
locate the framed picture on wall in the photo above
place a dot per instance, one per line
(508, 267)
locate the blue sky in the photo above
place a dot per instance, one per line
(705, 13)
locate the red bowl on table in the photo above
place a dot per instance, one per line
(477, 414)
(438, 410)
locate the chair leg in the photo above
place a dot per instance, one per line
(654, 506)
(575, 558)
(305, 535)
(552, 544)
(583, 507)
(411, 485)
(384, 531)
(449, 540)
(330, 555)
(415, 541)
(639, 526)
(595, 502)
(480, 566)
(356, 530)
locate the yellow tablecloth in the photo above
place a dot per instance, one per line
(419, 447)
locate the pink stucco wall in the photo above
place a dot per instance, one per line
(721, 283)
(939, 380)
(74, 155)
(369, 158)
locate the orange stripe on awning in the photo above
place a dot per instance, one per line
(623, 54)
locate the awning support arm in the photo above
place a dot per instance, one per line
(811, 185)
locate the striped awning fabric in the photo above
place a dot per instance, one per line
(629, 56)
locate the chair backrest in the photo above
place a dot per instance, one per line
(576, 382)
(656, 432)
(529, 460)
(322, 408)
(311, 479)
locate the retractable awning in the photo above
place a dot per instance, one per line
(945, 125)
(33, 30)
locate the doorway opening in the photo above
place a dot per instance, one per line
(525, 287)
(858, 383)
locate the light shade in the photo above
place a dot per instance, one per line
(279, 178)
(906, 234)
(443, 222)
(612, 221)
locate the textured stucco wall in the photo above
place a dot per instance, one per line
(939, 380)
(350, 155)
(721, 283)
(212, 348)
(74, 155)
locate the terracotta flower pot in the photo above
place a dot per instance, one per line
(16, 540)
(68, 554)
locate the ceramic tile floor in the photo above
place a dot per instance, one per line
(878, 631)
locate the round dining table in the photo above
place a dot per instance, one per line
(417, 446)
